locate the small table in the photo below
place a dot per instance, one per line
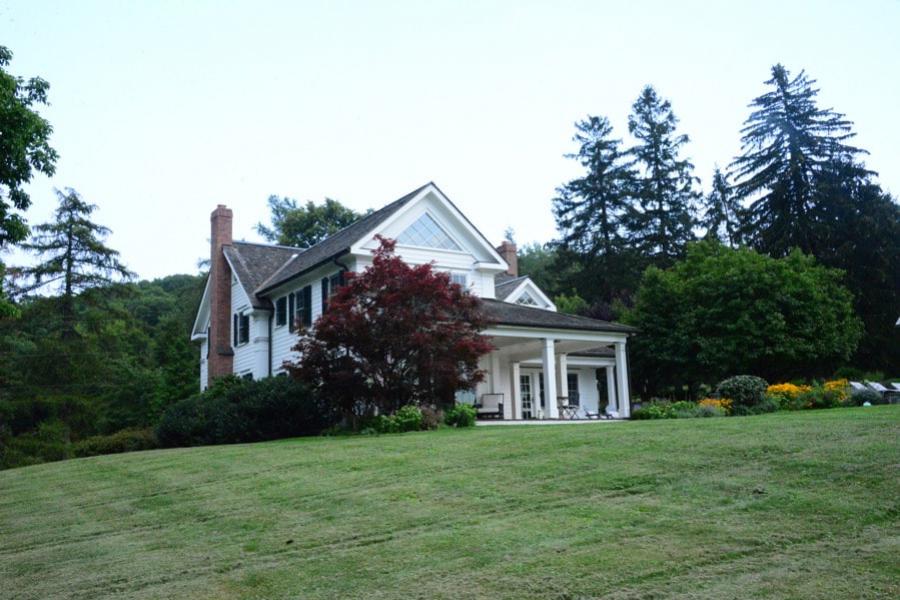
(569, 411)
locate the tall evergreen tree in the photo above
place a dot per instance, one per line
(75, 258)
(590, 210)
(662, 223)
(722, 212)
(787, 141)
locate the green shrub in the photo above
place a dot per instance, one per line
(127, 440)
(860, 397)
(767, 405)
(710, 411)
(655, 409)
(236, 411)
(684, 409)
(50, 442)
(408, 418)
(818, 397)
(460, 415)
(746, 392)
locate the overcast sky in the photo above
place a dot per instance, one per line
(163, 110)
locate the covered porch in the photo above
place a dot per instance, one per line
(552, 375)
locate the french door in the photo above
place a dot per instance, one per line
(531, 387)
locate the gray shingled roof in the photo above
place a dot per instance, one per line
(254, 263)
(505, 284)
(334, 245)
(506, 313)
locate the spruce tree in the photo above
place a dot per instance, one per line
(74, 256)
(661, 224)
(590, 210)
(722, 212)
(787, 142)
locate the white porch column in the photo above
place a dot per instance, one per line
(495, 372)
(622, 381)
(612, 406)
(516, 400)
(562, 375)
(551, 411)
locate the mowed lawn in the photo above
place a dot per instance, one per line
(801, 505)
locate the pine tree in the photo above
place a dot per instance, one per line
(722, 212)
(591, 209)
(786, 143)
(662, 223)
(75, 258)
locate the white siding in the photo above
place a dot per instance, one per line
(251, 357)
(282, 338)
(204, 366)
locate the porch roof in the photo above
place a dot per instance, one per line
(507, 313)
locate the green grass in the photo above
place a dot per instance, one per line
(801, 505)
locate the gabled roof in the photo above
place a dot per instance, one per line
(254, 263)
(505, 284)
(334, 245)
(506, 313)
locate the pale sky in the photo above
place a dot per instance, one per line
(161, 110)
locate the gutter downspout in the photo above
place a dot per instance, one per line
(269, 361)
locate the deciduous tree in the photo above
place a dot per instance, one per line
(394, 334)
(723, 311)
(304, 225)
(24, 149)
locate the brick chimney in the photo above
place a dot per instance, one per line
(507, 250)
(221, 355)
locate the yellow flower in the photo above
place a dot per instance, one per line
(840, 387)
(788, 390)
(723, 403)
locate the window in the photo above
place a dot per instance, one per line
(281, 311)
(461, 279)
(303, 306)
(574, 397)
(330, 286)
(241, 329)
(426, 232)
(527, 299)
(247, 376)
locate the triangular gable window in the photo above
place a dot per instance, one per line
(527, 299)
(426, 232)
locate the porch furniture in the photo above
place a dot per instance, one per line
(888, 394)
(490, 406)
(568, 411)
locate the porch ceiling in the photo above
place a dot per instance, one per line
(519, 349)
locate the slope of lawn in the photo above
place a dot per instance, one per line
(801, 505)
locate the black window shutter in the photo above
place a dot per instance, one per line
(307, 306)
(291, 311)
(324, 294)
(234, 330)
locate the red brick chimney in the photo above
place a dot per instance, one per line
(221, 355)
(507, 250)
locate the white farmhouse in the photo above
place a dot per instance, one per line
(546, 365)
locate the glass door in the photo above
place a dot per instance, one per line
(527, 396)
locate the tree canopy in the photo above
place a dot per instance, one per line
(24, 149)
(393, 335)
(74, 256)
(303, 225)
(722, 311)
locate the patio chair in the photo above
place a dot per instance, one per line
(857, 386)
(887, 393)
(489, 406)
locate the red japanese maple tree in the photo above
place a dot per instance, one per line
(392, 335)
